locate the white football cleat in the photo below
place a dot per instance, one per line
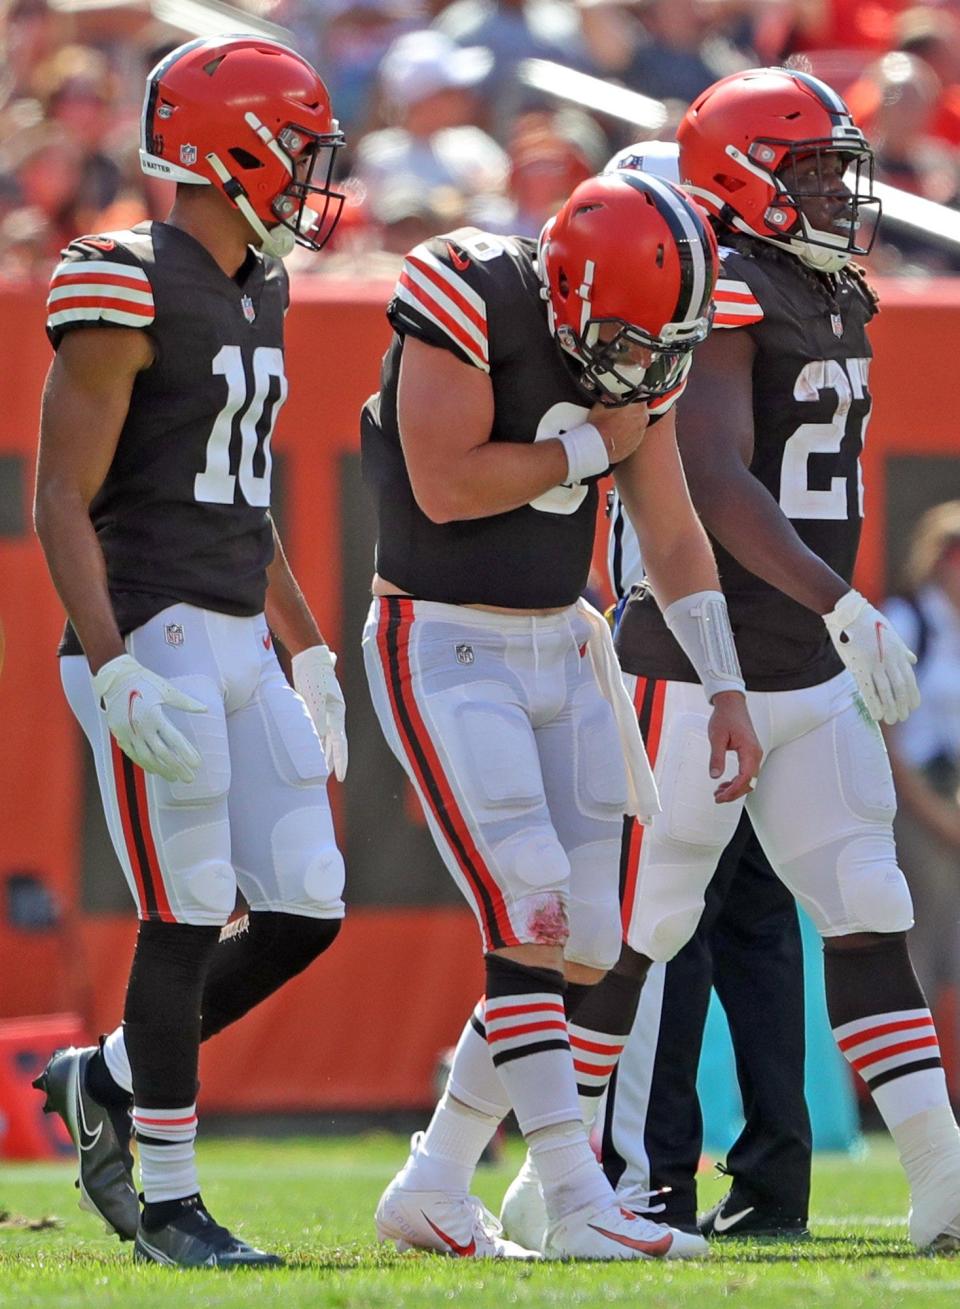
(523, 1212)
(615, 1233)
(934, 1220)
(457, 1225)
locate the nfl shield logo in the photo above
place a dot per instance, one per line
(464, 654)
(836, 322)
(173, 634)
(188, 154)
(246, 304)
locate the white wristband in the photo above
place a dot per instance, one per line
(586, 452)
(701, 624)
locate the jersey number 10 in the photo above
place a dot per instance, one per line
(216, 484)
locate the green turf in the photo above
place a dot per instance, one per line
(313, 1201)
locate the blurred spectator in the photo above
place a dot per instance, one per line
(76, 92)
(353, 40)
(47, 173)
(925, 751)
(431, 86)
(513, 30)
(550, 154)
(894, 103)
(933, 36)
(667, 49)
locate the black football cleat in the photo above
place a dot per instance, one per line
(191, 1239)
(102, 1138)
(736, 1216)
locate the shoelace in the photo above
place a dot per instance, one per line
(485, 1220)
(634, 1198)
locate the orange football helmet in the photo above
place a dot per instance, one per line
(251, 117)
(629, 253)
(767, 152)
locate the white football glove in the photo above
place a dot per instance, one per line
(874, 652)
(314, 679)
(133, 698)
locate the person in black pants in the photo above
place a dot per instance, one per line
(748, 946)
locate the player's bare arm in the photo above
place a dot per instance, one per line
(456, 471)
(715, 434)
(85, 403)
(288, 613)
(679, 562)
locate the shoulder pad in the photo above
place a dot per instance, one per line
(443, 292)
(734, 297)
(99, 279)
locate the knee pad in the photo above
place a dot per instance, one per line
(595, 935)
(309, 867)
(670, 934)
(206, 892)
(874, 890)
(533, 859)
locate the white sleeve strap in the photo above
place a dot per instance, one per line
(701, 625)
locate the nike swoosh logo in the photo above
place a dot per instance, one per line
(462, 1251)
(98, 242)
(878, 628)
(723, 1222)
(267, 640)
(460, 262)
(88, 1139)
(657, 1249)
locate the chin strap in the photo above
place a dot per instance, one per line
(277, 241)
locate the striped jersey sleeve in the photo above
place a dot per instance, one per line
(435, 300)
(664, 403)
(735, 304)
(98, 282)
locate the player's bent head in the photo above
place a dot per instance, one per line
(251, 118)
(774, 153)
(628, 268)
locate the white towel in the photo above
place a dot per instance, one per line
(643, 800)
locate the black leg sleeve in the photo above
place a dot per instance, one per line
(254, 957)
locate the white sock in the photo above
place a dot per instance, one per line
(115, 1057)
(450, 1148)
(898, 1056)
(165, 1145)
(568, 1170)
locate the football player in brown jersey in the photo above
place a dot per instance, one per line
(517, 376)
(153, 508)
(771, 432)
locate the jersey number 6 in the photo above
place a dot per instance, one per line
(216, 484)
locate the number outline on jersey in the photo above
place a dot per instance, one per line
(216, 484)
(568, 496)
(848, 379)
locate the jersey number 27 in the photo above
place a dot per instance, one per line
(216, 484)
(797, 498)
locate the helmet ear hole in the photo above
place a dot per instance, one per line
(729, 184)
(244, 158)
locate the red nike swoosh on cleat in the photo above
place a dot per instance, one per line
(462, 1251)
(460, 262)
(133, 696)
(657, 1249)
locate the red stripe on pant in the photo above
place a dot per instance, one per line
(131, 789)
(396, 620)
(648, 699)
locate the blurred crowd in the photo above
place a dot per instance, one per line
(474, 111)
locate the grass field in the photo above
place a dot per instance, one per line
(312, 1200)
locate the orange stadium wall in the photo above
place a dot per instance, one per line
(363, 1028)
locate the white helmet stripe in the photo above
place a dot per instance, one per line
(691, 230)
